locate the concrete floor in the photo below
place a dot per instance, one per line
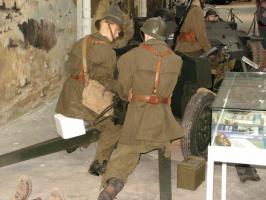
(68, 172)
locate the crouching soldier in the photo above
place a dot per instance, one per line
(101, 61)
(147, 77)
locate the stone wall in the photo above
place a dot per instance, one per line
(35, 37)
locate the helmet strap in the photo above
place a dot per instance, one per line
(111, 32)
(142, 36)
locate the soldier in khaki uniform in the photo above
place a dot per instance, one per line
(127, 27)
(211, 16)
(101, 61)
(192, 39)
(147, 77)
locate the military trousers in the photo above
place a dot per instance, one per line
(126, 158)
(108, 139)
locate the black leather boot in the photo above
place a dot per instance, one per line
(247, 173)
(114, 186)
(97, 168)
(71, 149)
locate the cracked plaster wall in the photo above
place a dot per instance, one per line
(30, 75)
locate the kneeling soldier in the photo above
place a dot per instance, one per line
(101, 62)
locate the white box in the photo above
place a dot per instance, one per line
(69, 127)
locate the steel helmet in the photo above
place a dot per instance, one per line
(155, 27)
(210, 12)
(112, 16)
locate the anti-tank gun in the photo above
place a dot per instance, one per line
(225, 33)
(190, 103)
(220, 33)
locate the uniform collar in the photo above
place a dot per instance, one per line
(155, 42)
(99, 36)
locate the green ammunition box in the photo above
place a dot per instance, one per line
(191, 173)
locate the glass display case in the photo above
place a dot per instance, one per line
(239, 111)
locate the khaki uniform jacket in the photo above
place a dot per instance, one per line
(194, 22)
(101, 61)
(148, 122)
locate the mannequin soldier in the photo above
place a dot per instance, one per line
(211, 16)
(119, 8)
(107, 143)
(147, 77)
(192, 39)
(127, 26)
(101, 60)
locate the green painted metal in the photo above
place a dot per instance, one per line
(164, 176)
(48, 147)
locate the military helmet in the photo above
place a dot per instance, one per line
(210, 12)
(112, 16)
(164, 13)
(155, 27)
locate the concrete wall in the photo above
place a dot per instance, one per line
(35, 37)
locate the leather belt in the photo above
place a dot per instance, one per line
(151, 99)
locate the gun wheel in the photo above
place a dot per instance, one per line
(197, 123)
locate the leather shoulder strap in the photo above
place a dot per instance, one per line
(84, 69)
(160, 55)
(83, 53)
(157, 53)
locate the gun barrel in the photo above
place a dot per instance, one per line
(47, 147)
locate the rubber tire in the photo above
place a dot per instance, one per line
(198, 104)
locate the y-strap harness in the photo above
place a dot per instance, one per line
(83, 66)
(154, 99)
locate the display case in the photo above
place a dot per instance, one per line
(239, 111)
